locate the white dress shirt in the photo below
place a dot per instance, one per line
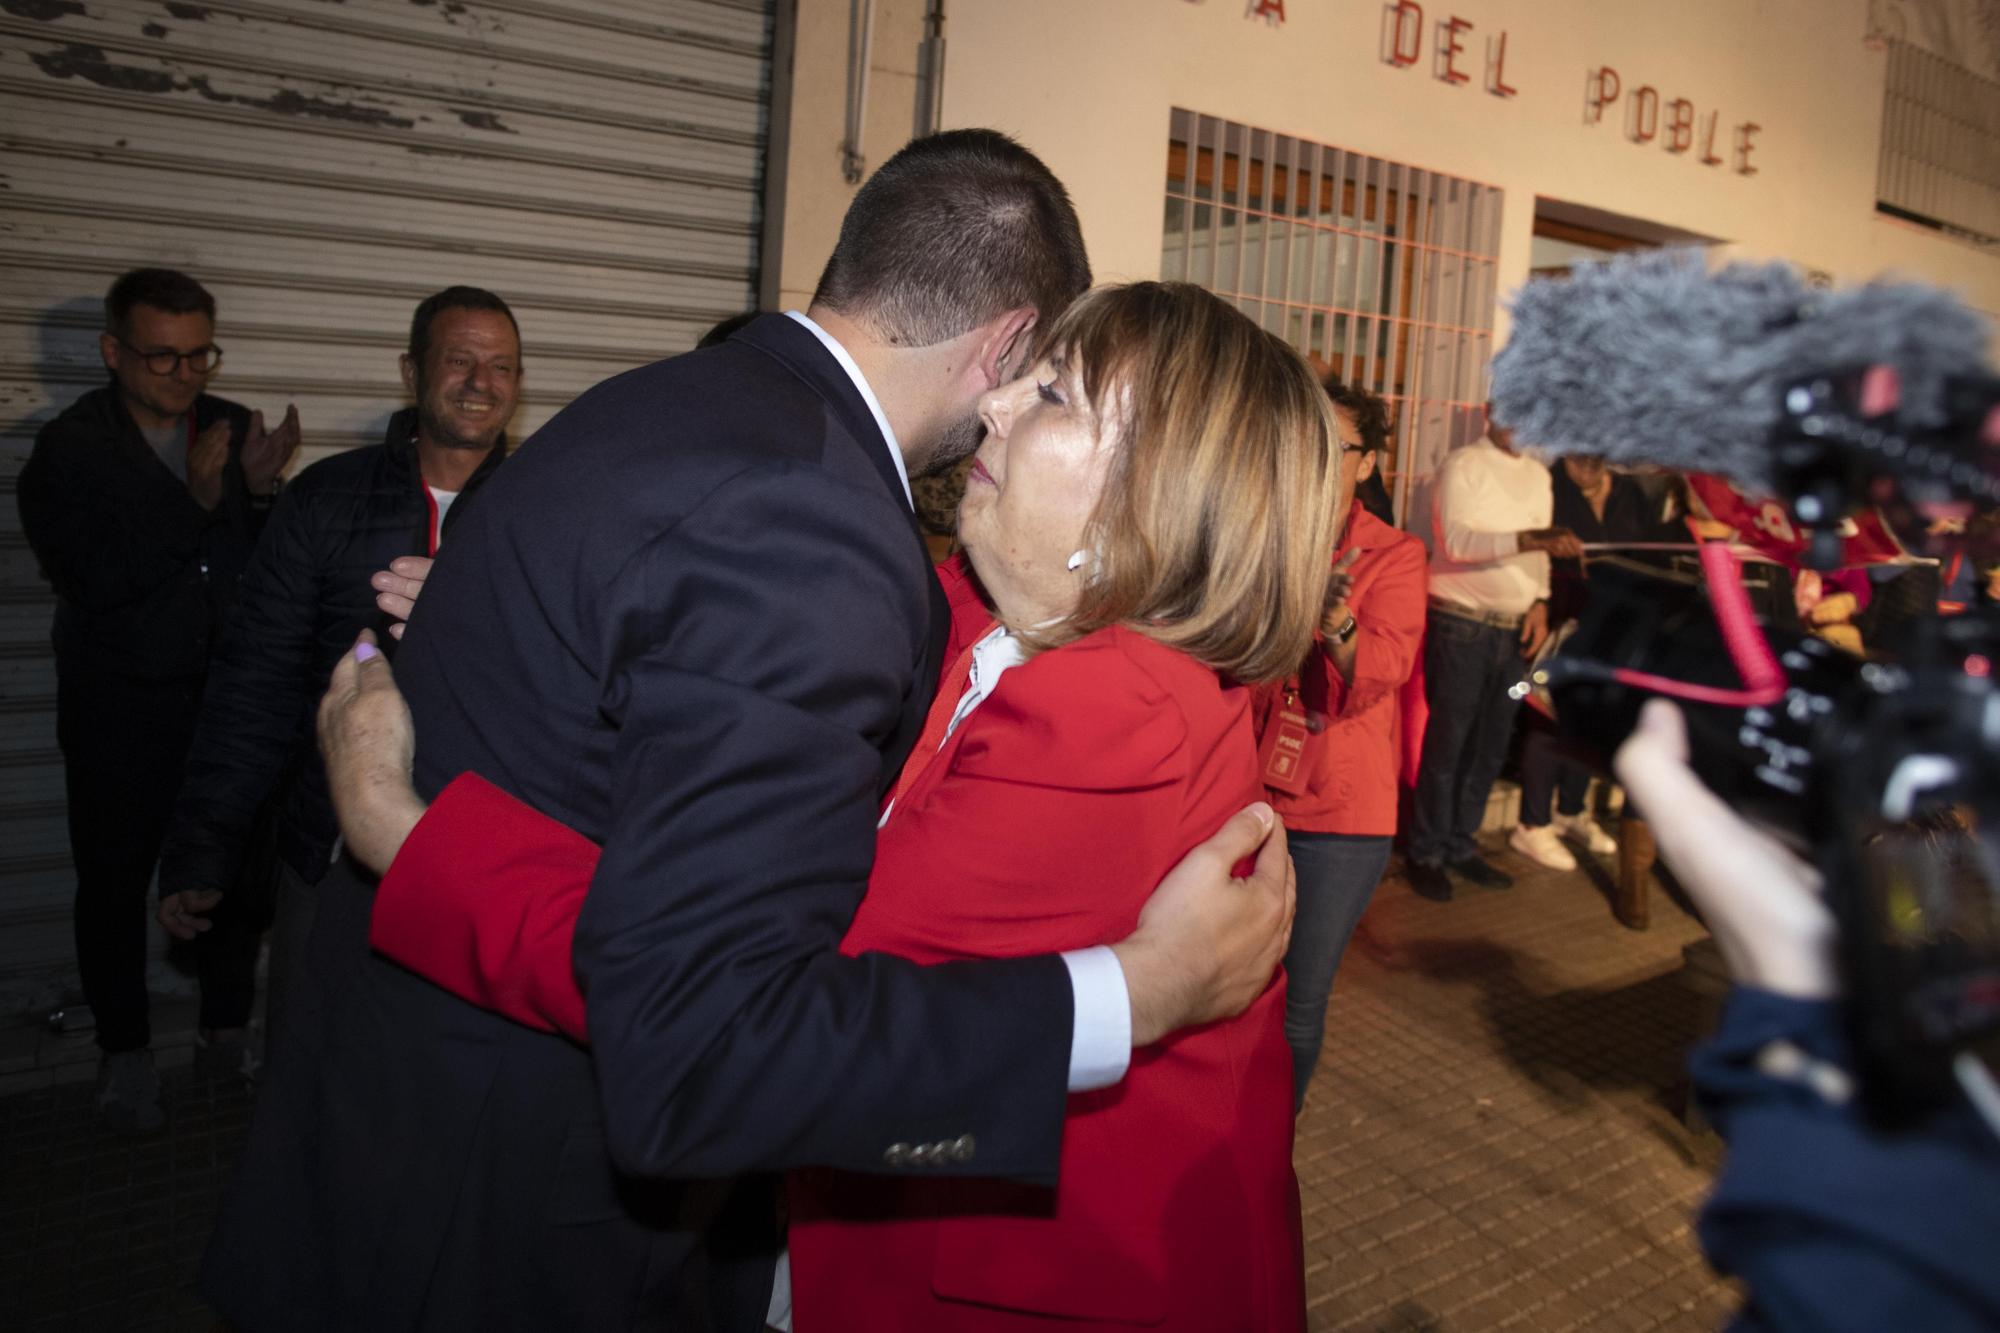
(832, 345)
(1100, 1048)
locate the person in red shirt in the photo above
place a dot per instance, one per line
(1340, 806)
(1146, 524)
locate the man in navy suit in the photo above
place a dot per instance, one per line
(694, 619)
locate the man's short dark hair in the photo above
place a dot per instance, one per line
(1370, 413)
(953, 230)
(452, 298)
(161, 288)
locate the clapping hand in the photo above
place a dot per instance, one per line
(1339, 587)
(267, 453)
(205, 458)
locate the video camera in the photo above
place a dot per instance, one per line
(1885, 769)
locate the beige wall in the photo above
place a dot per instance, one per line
(1088, 85)
(815, 191)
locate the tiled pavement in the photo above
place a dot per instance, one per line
(1493, 1136)
(1492, 1141)
(99, 1232)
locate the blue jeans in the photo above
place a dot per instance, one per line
(1468, 668)
(1337, 875)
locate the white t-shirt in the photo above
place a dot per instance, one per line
(443, 500)
(171, 444)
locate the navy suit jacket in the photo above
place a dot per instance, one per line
(692, 618)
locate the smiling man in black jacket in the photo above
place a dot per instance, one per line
(303, 599)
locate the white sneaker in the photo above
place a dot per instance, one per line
(1588, 832)
(128, 1092)
(226, 1057)
(1540, 844)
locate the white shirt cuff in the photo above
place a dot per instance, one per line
(1100, 1047)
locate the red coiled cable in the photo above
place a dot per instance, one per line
(1763, 677)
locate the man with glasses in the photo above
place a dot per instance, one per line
(142, 502)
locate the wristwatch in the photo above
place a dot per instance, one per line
(1347, 631)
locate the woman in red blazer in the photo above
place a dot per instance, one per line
(1354, 689)
(1147, 519)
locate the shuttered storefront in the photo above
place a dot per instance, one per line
(321, 165)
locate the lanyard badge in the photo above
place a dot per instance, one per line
(1282, 751)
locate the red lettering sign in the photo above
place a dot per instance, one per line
(1496, 67)
(1680, 125)
(1604, 88)
(1645, 120)
(1406, 18)
(1744, 136)
(1448, 48)
(1708, 157)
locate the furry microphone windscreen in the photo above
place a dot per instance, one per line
(1649, 358)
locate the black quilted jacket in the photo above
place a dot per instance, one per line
(143, 575)
(302, 600)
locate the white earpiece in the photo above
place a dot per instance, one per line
(1077, 558)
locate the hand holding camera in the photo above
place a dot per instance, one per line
(1760, 899)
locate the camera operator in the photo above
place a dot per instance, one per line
(1830, 1223)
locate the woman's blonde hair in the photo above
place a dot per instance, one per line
(1215, 526)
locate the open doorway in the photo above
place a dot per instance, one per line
(1567, 234)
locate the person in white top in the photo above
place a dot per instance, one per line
(1488, 611)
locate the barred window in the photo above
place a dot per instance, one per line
(1383, 271)
(1940, 160)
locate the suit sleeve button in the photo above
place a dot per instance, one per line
(963, 1149)
(898, 1154)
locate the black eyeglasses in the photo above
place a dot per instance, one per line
(201, 360)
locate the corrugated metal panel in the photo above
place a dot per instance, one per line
(1940, 158)
(321, 166)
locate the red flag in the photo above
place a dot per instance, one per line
(1767, 524)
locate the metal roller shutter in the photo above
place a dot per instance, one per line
(321, 165)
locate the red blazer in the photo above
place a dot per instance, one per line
(1352, 767)
(1042, 825)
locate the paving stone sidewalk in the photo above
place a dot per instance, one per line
(100, 1232)
(1492, 1140)
(1493, 1137)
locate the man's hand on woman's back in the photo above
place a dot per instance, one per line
(1207, 942)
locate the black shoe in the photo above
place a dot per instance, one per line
(1428, 881)
(1475, 870)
